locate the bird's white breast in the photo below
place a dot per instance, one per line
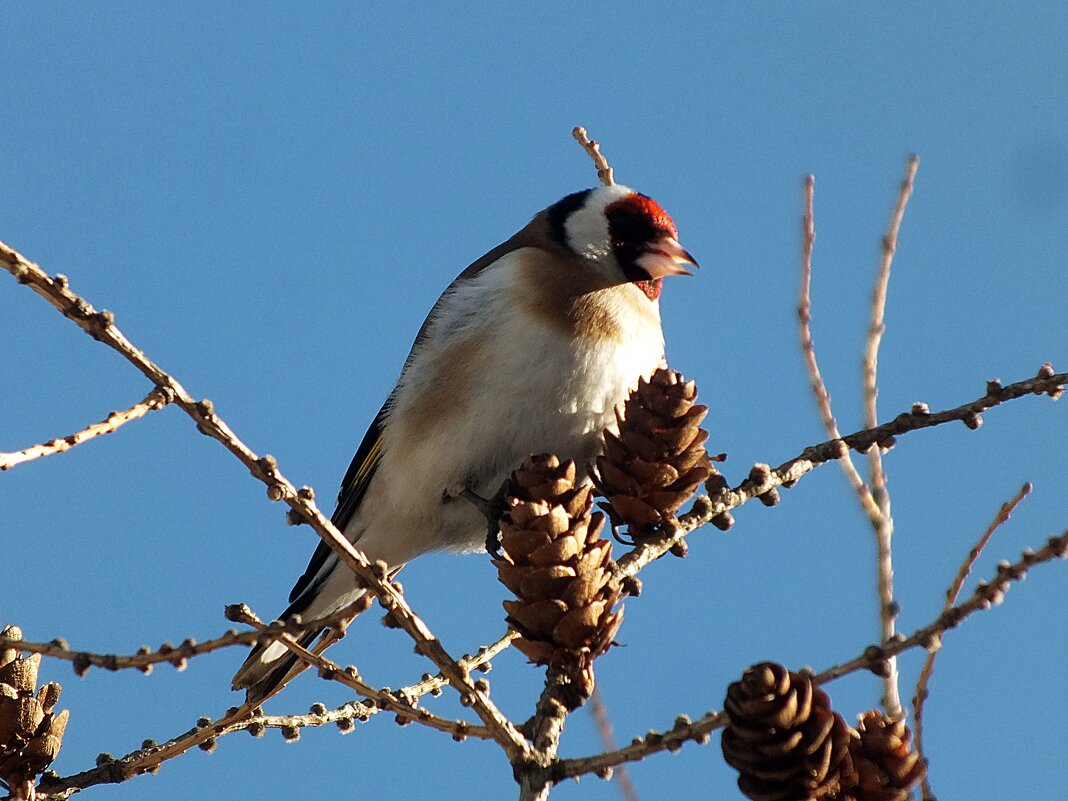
(491, 384)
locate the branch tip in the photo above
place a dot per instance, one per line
(593, 150)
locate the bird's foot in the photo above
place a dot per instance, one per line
(492, 509)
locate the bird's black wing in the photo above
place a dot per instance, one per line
(353, 486)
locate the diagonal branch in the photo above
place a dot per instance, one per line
(156, 399)
(608, 741)
(873, 658)
(150, 756)
(764, 478)
(920, 697)
(350, 677)
(101, 326)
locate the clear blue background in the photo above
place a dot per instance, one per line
(270, 196)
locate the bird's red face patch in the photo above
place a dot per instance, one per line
(641, 210)
(634, 223)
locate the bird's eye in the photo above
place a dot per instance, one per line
(627, 225)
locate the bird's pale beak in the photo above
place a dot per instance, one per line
(666, 257)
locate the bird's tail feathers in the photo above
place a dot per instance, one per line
(267, 664)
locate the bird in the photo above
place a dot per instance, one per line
(529, 350)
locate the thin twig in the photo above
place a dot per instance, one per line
(101, 326)
(873, 658)
(763, 478)
(593, 149)
(350, 677)
(362, 711)
(167, 653)
(920, 697)
(148, 759)
(608, 742)
(808, 350)
(877, 327)
(884, 528)
(156, 399)
(986, 595)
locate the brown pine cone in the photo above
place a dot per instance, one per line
(30, 734)
(558, 568)
(886, 766)
(657, 460)
(783, 738)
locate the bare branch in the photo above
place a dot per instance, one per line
(985, 596)
(808, 350)
(101, 326)
(167, 653)
(873, 658)
(156, 399)
(593, 150)
(148, 758)
(878, 301)
(683, 731)
(884, 524)
(350, 677)
(362, 711)
(920, 697)
(608, 741)
(145, 760)
(763, 478)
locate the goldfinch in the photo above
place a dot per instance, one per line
(528, 351)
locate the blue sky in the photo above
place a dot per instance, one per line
(270, 197)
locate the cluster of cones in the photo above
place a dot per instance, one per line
(553, 558)
(787, 744)
(31, 732)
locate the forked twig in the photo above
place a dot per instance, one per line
(920, 697)
(874, 500)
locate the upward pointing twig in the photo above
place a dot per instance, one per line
(808, 350)
(874, 498)
(884, 529)
(1004, 513)
(593, 149)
